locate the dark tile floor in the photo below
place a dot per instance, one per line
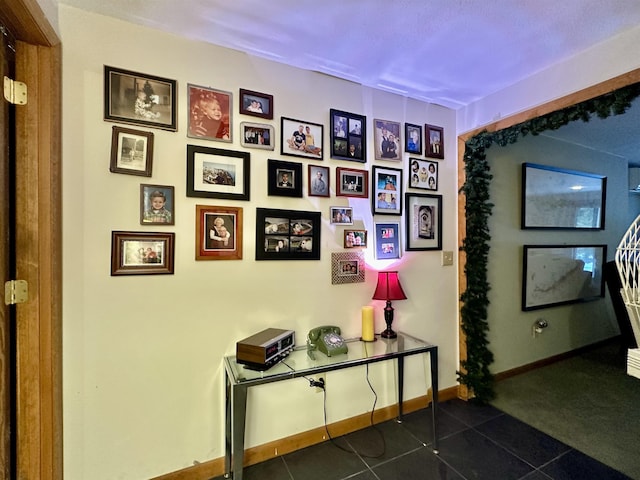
(475, 442)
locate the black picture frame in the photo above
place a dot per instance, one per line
(423, 227)
(387, 241)
(386, 191)
(149, 213)
(218, 173)
(348, 132)
(256, 104)
(140, 99)
(423, 174)
(413, 138)
(434, 141)
(294, 138)
(284, 178)
(287, 234)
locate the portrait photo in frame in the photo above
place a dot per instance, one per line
(355, 239)
(287, 234)
(157, 205)
(318, 180)
(217, 173)
(142, 253)
(423, 229)
(218, 233)
(387, 140)
(434, 141)
(139, 99)
(341, 215)
(257, 135)
(387, 241)
(348, 136)
(210, 115)
(301, 138)
(131, 152)
(256, 104)
(347, 267)
(284, 178)
(386, 191)
(352, 182)
(413, 138)
(423, 174)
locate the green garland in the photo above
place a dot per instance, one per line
(475, 372)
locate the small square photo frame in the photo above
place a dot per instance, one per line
(318, 180)
(210, 114)
(131, 151)
(285, 178)
(434, 144)
(257, 135)
(287, 234)
(413, 138)
(301, 138)
(387, 241)
(218, 173)
(351, 182)
(347, 267)
(218, 233)
(423, 174)
(388, 141)
(142, 253)
(355, 238)
(386, 191)
(423, 218)
(157, 205)
(139, 99)
(256, 104)
(348, 136)
(341, 215)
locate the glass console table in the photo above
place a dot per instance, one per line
(239, 379)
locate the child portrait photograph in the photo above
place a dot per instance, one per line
(156, 205)
(210, 114)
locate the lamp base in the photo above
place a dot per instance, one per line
(388, 333)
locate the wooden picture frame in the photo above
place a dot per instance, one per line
(218, 233)
(387, 241)
(348, 136)
(434, 141)
(157, 205)
(287, 234)
(218, 173)
(257, 135)
(413, 139)
(139, 99)
(558, 199)
(423, 228)
(355, 238)
(295, 138)
(341, 215)
(562, 274)
(210, 114)
(318, 181)
(347, 267)
(142, 253)
(423, 174)
(387, 140)
(284, 178)
(131, 151)
(256, 104)
(351, 182)
(386, 191)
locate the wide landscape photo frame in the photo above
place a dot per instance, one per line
(423, 228)
(218, 173)
(300, 138)
(257, 135)
(218, 233)
(352, 182)
(142, 253)
(256, 104)
(287, 234)
(348, 136)
(131, 151)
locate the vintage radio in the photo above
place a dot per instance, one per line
(264, 349)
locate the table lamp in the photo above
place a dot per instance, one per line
(388, 289)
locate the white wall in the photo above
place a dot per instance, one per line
(143, 384)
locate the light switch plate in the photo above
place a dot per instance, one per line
(447, 258)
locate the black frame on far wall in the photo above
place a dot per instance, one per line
(287, 234)
(433, 141)
(387, 241)
(278, 185)
(265, 100)
(411, 146)
(423, 228)
(204, 164)
(348, 129)
(423, 174)
(386, 191)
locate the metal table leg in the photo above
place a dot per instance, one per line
(433, 356)
(239, 414)
(400, 386)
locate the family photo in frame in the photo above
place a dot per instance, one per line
(352, 182)
(423, 229)
(348, 136)
(218, 233)
(423, 174)
(284, 178)
(256, 104)
(142, 253)
(434, 141)
(387, 139)
(318, 181)
(218, 173)
(386, 195)
(301, 138)
(131, 151)
(210, 114)
(287, 234)
(413, 138)
(387, 241)
(257, 135)
(157, 205)
(347, 267)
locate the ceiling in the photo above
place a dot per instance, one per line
(447, 52)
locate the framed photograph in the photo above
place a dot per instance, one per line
(434, 147)
(210, 114)
(413, 138)
(423, 227)
(554, 198)
(341, 215)
(348, 136)
(218, 233)
(423, 174)
(301, 138)
(287, 235)
(386, 135)
(386, 195)
(355, 239)
(139, 99)
(352, 183)
(256, 104)
(157, 205)
(387, 241)
(217, 173)
(257, 135)
(131, 152)
(347, 267)
(562, 274)
(285, 178)
(318, 181)
(142, 253)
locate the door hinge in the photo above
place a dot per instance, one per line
(15, 92)
(16, 291)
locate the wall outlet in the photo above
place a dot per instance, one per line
(447, 258)
(321, 378)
